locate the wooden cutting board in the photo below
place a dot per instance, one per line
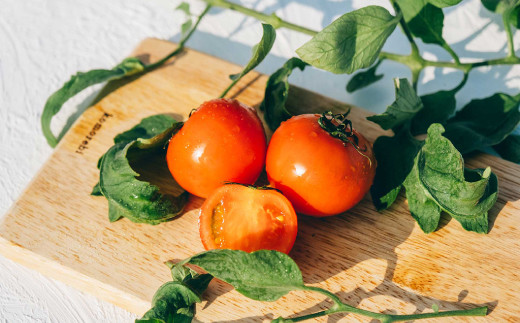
(378, 261)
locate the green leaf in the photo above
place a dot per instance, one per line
(146, 129)
(260, 51)
(509, 148)
(514, 17)
(263, 275)
(129, 197)
(444, 3)
(276, 93)
(424, 20)
(483, 122)
(395, 157)
(438, 181)
(437, 108)
(78, 83)
(406, 105)
(186, 26)
(364, 78)
(189, 277)
(423, 209)
(173, 302)
(184, 7)
(351, 42)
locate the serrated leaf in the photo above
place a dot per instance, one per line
(483, 122)
(260, 51)
(78, 83)
(276, 93)
(364, 78)
(351, 42)
(395, 157)
(406, 105)
(264, 275)
(424, 20)
(423, 209)
(509, 148)
(437, 108)
(129, 197)
(439, 177)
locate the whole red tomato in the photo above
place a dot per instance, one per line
(319, 173)
(247, 218)
(222, 141)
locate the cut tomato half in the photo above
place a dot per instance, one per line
(247, 218)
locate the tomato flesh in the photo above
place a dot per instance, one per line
(248, 219)
(222, 141)
(320, 175)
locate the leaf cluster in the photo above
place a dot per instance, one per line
(432, 171)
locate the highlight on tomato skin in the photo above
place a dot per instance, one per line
(246, 218)
(222, 141)
(321, 175)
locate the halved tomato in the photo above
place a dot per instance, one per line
(247, 218)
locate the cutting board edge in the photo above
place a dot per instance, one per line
(81, 282)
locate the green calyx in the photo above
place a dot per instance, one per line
(339, 126)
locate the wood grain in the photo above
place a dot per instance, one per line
(378, 261)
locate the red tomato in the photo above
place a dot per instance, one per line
(247, 218)
(321, 175)
(222, 141)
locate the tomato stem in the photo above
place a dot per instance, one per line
(339, 126)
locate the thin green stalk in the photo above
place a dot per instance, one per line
(181, 44)
(223, 94)
(271, 19)
(406, 31)
(451, 52)
(340, 307)
(416, 73)
(477, 311)
(462, 83)
(507, 26)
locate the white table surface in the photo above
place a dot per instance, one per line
(43, 42)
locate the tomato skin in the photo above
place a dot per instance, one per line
(222, 141)
(245, 218)
(320, 175)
